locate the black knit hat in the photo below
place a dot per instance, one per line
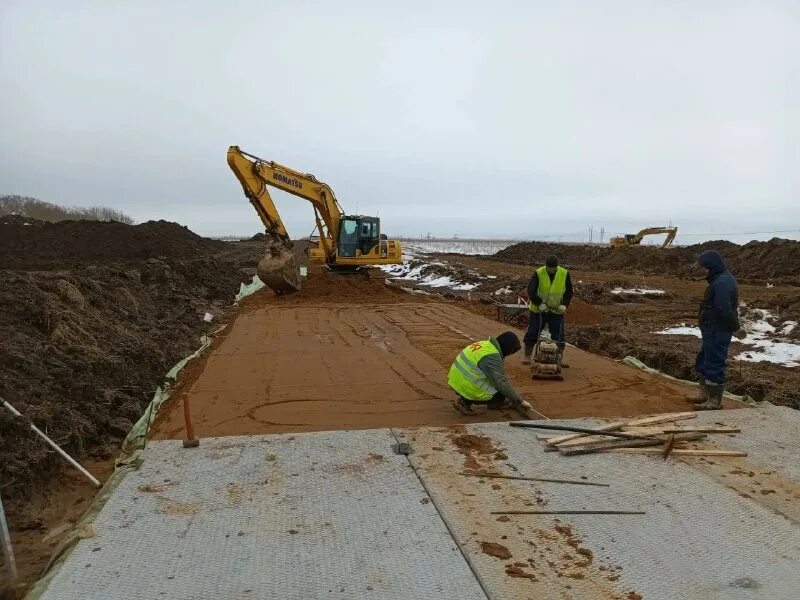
(551, 261)
(508, 342)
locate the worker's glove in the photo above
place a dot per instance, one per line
(562, 308)
(543, 307)
(740, 333)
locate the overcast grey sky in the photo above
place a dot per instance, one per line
(520, 118)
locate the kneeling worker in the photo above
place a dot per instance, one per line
(549, 295)
(478, 377)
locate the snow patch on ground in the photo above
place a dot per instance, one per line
(788, 327)
(781, 353)
(405, 272)
(680, 330)
(763, 338)
(638, 291)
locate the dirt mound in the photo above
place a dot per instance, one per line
(675, 357)
(775, 261)
(20, 220)
(92, 315)
(45, 244)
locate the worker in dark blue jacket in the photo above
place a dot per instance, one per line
(719, 321)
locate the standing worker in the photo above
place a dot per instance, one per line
(478, 377)
(549, 295)
(719, 321)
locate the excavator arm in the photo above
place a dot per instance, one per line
(670, 231)
(631, 239)
(256, 174)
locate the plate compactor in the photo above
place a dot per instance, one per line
(546, 359)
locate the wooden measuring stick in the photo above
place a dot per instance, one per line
(678, 451)
(520, 478)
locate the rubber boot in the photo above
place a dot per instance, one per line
(702, 394)
(526, 358)
(714, 401)
(471, 409)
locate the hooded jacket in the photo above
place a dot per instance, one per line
(718, 310)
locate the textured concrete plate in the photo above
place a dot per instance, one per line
(709, 532)
(323, 515)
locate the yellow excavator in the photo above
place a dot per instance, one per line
(346, 242)
(634, 239)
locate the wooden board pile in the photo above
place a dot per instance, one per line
(657, 435)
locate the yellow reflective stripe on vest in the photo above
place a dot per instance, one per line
(466, 378)
(471, 371)
(551, 293)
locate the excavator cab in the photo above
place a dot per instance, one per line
(358, 236)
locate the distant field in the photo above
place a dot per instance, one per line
(465, 246)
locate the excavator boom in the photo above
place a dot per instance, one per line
(636, 239)
(670, 231)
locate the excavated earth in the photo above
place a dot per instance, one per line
(775, 261)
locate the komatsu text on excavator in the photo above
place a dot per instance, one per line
(346, 242)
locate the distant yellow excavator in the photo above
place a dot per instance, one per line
(346, 242)
(634, 239)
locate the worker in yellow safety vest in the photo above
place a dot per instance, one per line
(479, 378)
(549, 295)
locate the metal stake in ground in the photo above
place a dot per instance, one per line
(53, 445)
(8, 551)
(567, 512)
(617, 434)
(191, 441)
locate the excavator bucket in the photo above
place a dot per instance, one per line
(279, 271)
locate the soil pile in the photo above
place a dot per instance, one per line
(775, 261)
(90, 322)
(31, 244)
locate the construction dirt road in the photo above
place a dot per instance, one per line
(352, 353)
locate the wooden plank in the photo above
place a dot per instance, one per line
(585, 430)
(648, 432)
(666, 418)
(607, 444)
(639, 431)
(645, 431)
(678, 451)
(702, 429)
